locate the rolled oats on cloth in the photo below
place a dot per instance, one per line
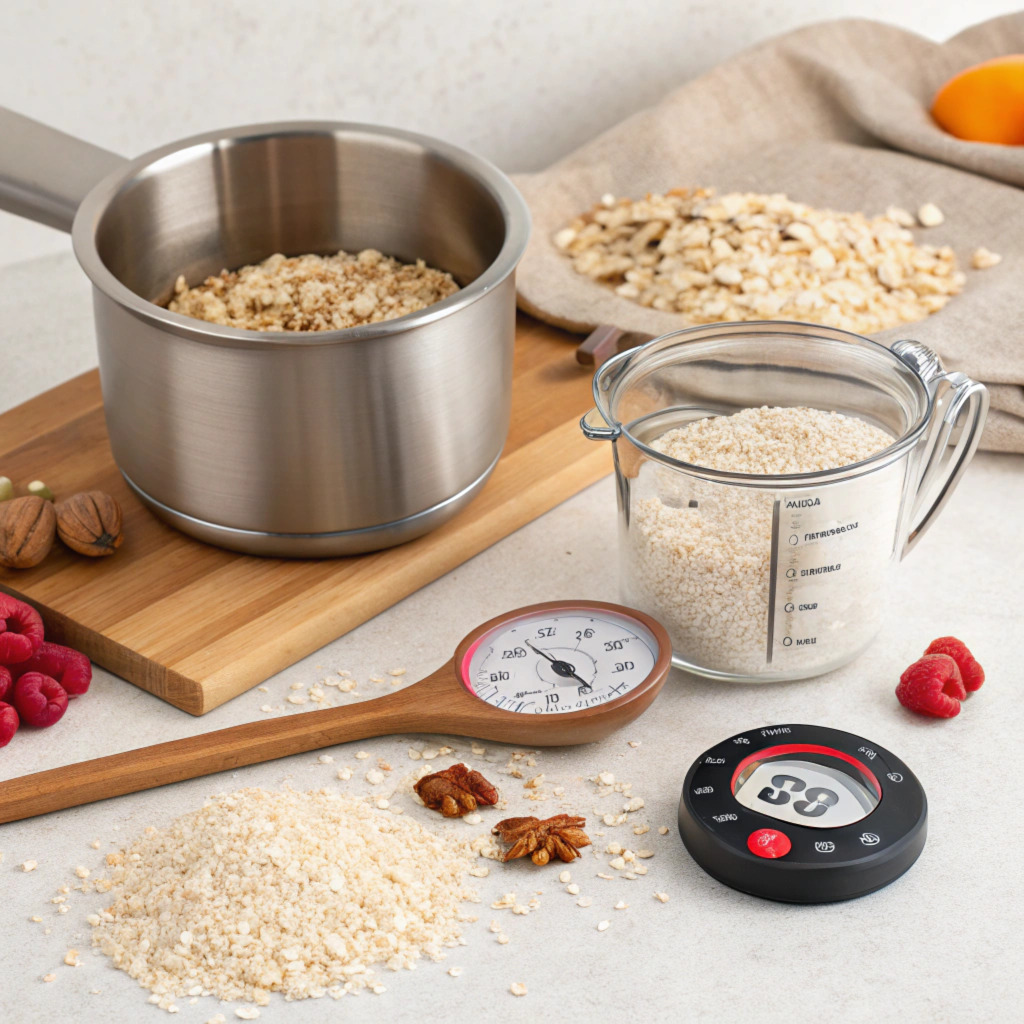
(834, 115)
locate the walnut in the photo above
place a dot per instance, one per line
(27, 528)
(455, 791)
(90, 523)
(561, 835)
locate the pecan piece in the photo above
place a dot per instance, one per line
(561, 836)
(90, 523)
(455, 791)
(27, 529)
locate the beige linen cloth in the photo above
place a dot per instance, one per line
(835, 115)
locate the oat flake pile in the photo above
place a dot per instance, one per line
(298, 893)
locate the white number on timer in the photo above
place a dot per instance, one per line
(546, 664)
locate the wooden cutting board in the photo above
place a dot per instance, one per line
(197, 625)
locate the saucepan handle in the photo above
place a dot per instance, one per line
(44, 173)
(961, 406)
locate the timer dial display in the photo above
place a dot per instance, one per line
(804, 793)
(558, 662)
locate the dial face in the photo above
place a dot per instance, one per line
(557, 662)
(826, 793)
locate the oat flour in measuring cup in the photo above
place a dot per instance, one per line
(775, 564)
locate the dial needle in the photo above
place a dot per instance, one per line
(561, 668)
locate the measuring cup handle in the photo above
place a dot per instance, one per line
(45, 173)
(942, 462)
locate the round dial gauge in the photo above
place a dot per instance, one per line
(553, 662)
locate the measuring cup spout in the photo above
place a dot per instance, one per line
(958, 413)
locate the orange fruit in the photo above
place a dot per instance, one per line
(984, 103)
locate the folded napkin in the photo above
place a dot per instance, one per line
(834, 115)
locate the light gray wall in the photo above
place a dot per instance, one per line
(519, 81)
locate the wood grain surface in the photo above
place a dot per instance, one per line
(197, 625)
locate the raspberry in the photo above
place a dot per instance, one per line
(40, 700)
(932, 686)
(70, 668)
(21, 630)
(9, 723)
(5, 681)
(971, 672)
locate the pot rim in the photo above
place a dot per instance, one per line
(513, 207)
(616, 372)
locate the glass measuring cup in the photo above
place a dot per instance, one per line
(776, 577)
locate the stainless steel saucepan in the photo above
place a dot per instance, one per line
(275, 443)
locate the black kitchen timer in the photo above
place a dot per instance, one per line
(802, 814)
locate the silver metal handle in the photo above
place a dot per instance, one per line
(961, 406)
(44, 173)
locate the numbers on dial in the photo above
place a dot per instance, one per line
(560, 662)
(816, 800)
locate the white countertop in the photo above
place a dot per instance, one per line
(940, 944)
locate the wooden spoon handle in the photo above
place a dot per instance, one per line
(414, 709)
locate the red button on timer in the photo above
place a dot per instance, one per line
(769, 842)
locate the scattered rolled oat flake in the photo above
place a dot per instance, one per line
(247, 1012)
(633, 804)
(534, 782)
(564, 876)
(603, 926)
(584, 901)
(606, 778)
(71, 958)
(639, 830)
(634, 743)
(617, 863)
(429, 753)
(374, 776)
(502, 939)
(454, 971)
(644, 854)
(472, 818)
(517, 988)
(982, 258)
(572, 889)
(396, 671)
(480, 872)
(325, 759)
(401, 883)
(29, 865)
(607, 878)
(621, 905)
(344, 774)
(929, 215)
(661, 897)
(613, 848)
(82, 872)
(414, 755)
(362, 755)
(297, 698)
(49, 977)
(747, 256)
(898, 215)
(297, 686)
(663, 830)
(36, 918)
(95, 844)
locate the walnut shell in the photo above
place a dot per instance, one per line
(90, 523)
(27, 528)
